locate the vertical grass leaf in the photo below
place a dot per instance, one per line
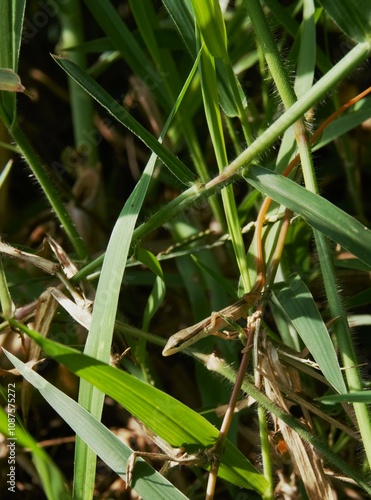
(299, 306)
(11, 23)
(158, 291)
(307, 51)
(209, 18)
(183, 20)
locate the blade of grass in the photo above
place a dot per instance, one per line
(11, 22)
(146, 481)
(210, 98)
(307, 52)
(104, 99)
(211, 23)
(105, 307)
(360, 112)
(350, 397)
(154, 301)
(165, 416)
(82, 110)
(232, 98)
(290, 24)
(317, 211)
(299, 306)
(352, 17)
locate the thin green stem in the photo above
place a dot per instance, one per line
(7, 306)
(265, 450)
(315, 94)
(222, 368)
(49, 190)
(287, 94)
(259, 146)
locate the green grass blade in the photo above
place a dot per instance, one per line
(317, 211)
(307, 52)
(290, 25)
(98, 344)
(158, 291)
(352, 17)
(360, 112)
(210, 20)
(165, 416)
(350, 397)
(146, 481)
(154, 301)
(82, 111)
(6, 303)
(104, 99)
(104, 313)
(229, 90)
(183, 20)
(299, 306)
(211, 105)
(11, 23)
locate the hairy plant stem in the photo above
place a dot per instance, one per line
(287, 94)
(38, 170)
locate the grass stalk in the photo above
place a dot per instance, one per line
(324, 253)
(39, 171)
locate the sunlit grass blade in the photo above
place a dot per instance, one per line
(317, 211)
(98, 344)
(165, 416)
(307, 51)
(182, 17)
(146, 481)
(154, 301)
(359, 113)
(210, 20)
(213, 116)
